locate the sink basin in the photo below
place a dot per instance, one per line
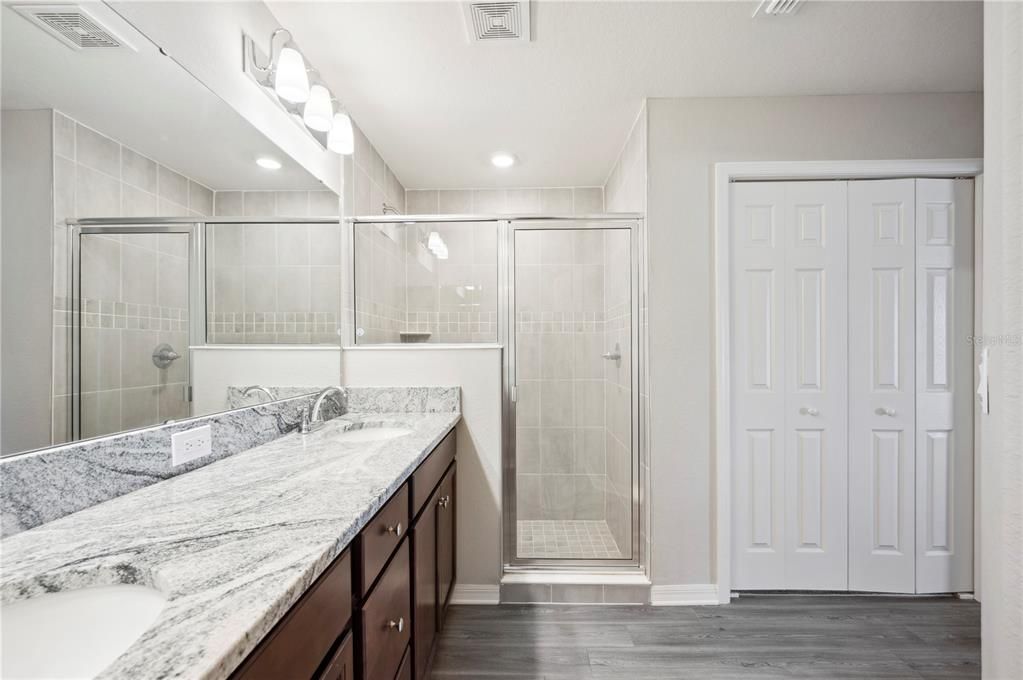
(75, 633)
(373, 434)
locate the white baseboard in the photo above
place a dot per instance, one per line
(467, 593)
(684, 595)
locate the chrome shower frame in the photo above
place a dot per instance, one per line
(507, 226)
(195, 228)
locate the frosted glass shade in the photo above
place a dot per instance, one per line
(291, 82)
(341, 138)
(319, 111)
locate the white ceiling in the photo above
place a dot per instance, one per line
(143, 100)
(436, 106)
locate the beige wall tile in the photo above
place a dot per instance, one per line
(172, 186)
(138, 171)
(97, 151)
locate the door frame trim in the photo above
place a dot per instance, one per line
(724, 175)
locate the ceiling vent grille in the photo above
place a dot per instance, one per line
(495, 22)
(777, 7)
(72, 25)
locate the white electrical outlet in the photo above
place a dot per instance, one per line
(191, 444)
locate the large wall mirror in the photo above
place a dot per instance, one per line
(152, 269)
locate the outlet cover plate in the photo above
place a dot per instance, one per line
(191, 444)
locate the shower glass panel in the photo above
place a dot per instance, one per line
(134, 330)
(432, 282)
(273, 283)
(575, 472)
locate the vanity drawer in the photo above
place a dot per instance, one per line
(297, 645)
(386, 620)
(342, 665)
(381, 536)
(429, 473)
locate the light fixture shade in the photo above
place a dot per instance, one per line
(341, 138)
(291, 82)
(319, 110)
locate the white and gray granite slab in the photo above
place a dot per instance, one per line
(403, 399)
(232, 545)
(236, 394)
(40, 486)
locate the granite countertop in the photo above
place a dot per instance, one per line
(232, 545)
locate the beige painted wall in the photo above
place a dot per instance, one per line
(686, 138)
(1002, 318)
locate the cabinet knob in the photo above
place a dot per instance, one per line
(444, 500)
(809, 411)
(882, 411)
(398, 625)
(396, 529)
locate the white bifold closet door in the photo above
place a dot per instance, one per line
(911, 386)
(789, 319)
(852, 460)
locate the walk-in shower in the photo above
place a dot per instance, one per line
(145, 294)
(562, 297)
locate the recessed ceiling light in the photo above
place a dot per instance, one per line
(502, 160)
(268, 163)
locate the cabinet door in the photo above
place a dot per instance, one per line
(445, 541)
(386, 619)
(424, 546)
(882, 385)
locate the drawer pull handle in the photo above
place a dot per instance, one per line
(399, 624)
(444, 500)
(882, 411)
(396, 529)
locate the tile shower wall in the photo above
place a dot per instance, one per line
(626, 191)
(560, 318)
(138, 301)
(410, 295)
(274, 283)
(379, 295)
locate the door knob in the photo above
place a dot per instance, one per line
(443, 501)
(882, 411)
(809, 411)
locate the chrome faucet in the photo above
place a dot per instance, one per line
(254, 389)
(311, 419)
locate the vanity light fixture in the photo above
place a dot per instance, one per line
(341, 138)
(318, 113)
(502, 160)
(268, 163)
(291, 82)
(296, 87)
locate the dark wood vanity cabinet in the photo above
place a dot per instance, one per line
(433, 544)
(375, 612)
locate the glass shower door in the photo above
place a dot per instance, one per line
(573, 374)
(131, 364)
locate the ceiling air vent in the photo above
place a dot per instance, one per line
(495, 22)
(72, 25)
(777, 7)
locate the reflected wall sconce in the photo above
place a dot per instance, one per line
(285, 76)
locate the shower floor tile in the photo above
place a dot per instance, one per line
(567, 539)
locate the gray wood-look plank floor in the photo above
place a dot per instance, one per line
(765, 636)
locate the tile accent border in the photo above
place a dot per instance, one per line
(45, 485)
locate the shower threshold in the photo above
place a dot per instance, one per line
(566, 539)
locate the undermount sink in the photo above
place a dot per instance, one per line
(373, 434)
(75, 633)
